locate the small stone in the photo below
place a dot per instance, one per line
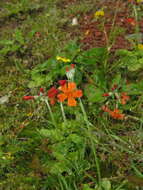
(74, 21)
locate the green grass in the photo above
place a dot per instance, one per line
(90, 150)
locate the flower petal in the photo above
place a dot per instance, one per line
(62, 82)
(105, 108)
(63, 88)
(62, 97)
(77, 93)
(28, 97)
(71, 86)
(52, 101)
(116, 114)
(52, 92)
(71, 102)
(42, 90)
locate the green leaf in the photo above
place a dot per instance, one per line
(6, 42)
(76, 138)
(18, 36)
(1, 153)
(131, 59)
(53, 134)
(2, 140)
(71, 49)
(15, 47)
(60, 155)
(58, 168)
(30, 34)
(5, 50)
(123, 52)
(92, 56)
(136, 65)
(106, 184)
(99, 78)
(39, 80)
(117, 79)
(134, 88)
(93, 94)
(87, 187)
(78, 77)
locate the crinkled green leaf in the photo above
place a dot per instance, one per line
(138, 64)
(93, 94)
(106, 184)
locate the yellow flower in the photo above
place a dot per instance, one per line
(63, 59)
(139, 1)
(140, 46)
(29, 114)
(99, 13)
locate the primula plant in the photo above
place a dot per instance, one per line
(71, 95)
(66, 90)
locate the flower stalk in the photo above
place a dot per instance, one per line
(50, 111)
(137, 25)
(84, 113)
(92, 141)
(63, 112)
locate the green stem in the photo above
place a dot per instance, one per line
(63, 113)
(91, 139)
(113, 23)
(109, 41)
(50, 111)
(134, 118)
(84, 113)
(137, 25)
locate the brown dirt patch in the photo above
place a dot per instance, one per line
(96, 36)
(91, 30)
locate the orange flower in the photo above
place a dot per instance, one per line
(124, 98)
(70, 93)
(116, 114)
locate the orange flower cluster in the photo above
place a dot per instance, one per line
(69, 92)
(115, 114)
(122, 98)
